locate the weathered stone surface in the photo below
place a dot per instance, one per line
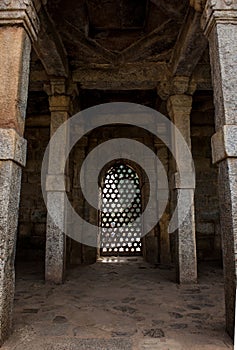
(187, 181)
(224, 143)
(56, 198)
(220, 26)
(179, 108)
(15, 12)
(55, 240)
(12, 146)
(219, 22)
(228, 213)
(10, 182)
(32, 211)
(104, 64)
(190, 45)
(55, 63)
(14, 75)
(127, 76)
(85, 306)
(58, 183)
(186, 243)
(15, 33)
(206, 191)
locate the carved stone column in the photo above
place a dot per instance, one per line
(164, 236)
(18, 26)
(179, 109)
(219, 22)
(60, 104)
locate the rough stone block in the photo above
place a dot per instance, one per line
(12, 146)
(10, 181)
(224, 143)
(58, 183)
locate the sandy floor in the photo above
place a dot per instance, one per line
(119, 306)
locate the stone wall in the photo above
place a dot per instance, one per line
(83, 254)
(32, 219)
(32, 215)
(206, 194)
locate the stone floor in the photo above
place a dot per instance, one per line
(119, 306)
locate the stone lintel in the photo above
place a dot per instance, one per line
(184, 181)
(126, 76)
(218, 11)
(57, 183)
(224, 143)
(21, 12)
(12, 146)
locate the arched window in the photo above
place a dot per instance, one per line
(121, 225)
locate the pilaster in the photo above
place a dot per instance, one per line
(18, 27)
(219, 22)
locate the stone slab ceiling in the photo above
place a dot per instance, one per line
(117, 31)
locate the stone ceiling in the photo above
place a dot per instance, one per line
(117, 31)
(119, 44)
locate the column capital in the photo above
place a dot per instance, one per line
(60, 93)
(177, 104)
(218, 11)
(20, 12)
(59, 103)
(178, 85)
(59, 100)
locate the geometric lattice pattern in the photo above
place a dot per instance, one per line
(121, 210)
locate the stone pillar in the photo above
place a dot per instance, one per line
(219, 22)
(164, 236)
(179, 109)
(56, 239)
(19, 25)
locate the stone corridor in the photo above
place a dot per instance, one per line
(59, 58)
(119, 306)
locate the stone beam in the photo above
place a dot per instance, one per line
(190, 45)
(141, 46)
(109, 77)
(49, 47)
(127, 76)
(89, 44)
(168, 8)
(202, 77)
